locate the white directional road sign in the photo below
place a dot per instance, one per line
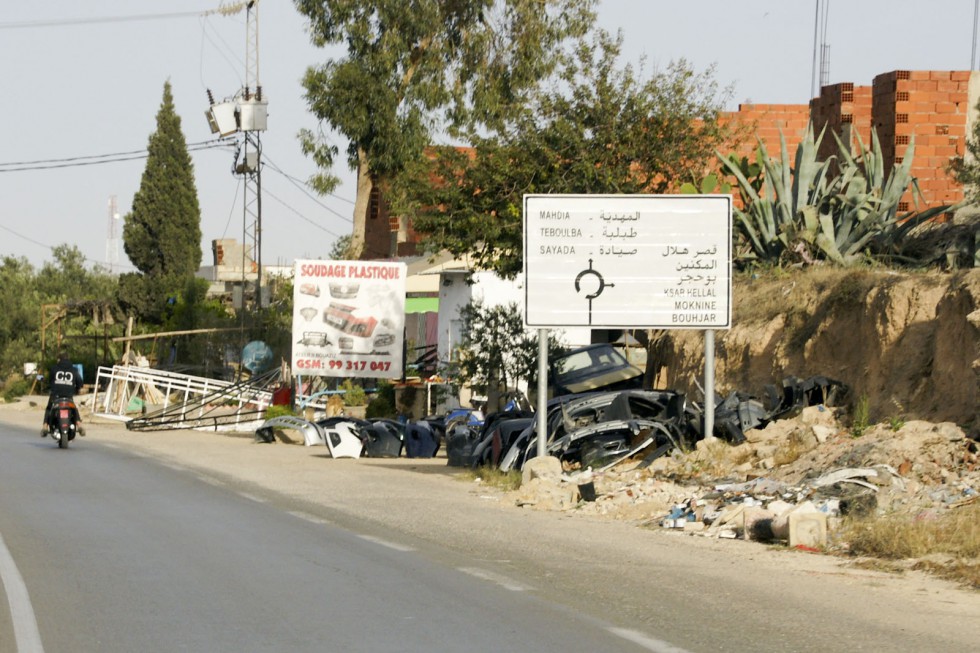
(623, 261)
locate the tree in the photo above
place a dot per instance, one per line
(497, 351)
(66, 279)
(598, 127)
(418, 66)
(966, 169)
(162, 234)
(19, 339)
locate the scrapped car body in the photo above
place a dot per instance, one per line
(594, 367)
(383, 439)
(343, 439)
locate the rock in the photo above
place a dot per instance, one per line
(951, 432)
(822, 432)
(547, 467)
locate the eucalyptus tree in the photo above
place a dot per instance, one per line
(599, 126)
(416, 68)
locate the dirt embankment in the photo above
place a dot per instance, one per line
(907, 344)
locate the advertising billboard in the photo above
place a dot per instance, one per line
(348, 318)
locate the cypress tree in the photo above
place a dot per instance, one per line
(162, 233)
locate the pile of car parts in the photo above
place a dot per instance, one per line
(351, 437)
(596, 429)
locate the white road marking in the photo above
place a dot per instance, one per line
(503, 581)
(251, 497)
(211, 481)
(21, 611)
(174, 466)
(308, 517)
(649, 643)
(390, 545)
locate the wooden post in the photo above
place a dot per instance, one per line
(129, 333)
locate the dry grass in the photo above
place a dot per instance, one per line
(946, 544)
(492, 477)
(791, 449)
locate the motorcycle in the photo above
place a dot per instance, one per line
(63, 421)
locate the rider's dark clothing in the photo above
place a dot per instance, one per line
(65, 382)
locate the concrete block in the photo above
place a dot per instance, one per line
(547, 467)
(808, 529)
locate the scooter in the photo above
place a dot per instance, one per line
(63, 421)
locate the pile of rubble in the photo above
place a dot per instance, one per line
(789, 481)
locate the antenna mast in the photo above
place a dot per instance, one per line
(112, 239)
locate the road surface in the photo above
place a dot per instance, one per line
(207, 542)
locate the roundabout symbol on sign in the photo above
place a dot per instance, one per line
(600, 285)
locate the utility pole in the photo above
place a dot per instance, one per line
(246, 114)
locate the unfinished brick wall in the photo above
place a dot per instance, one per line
(842, 109)
(931, 108)
(754, 122)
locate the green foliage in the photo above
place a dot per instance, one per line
(709, 185)
(354, 394)
(966, 169)
(342, 249)
(808, 209)
(383, 402)
(63, 283)
(497, 352)
(15, 387)
(198, 353)
(413, 68)
(278, 411)
(861, 419)
(598, 126)
(162, 234)
(19, 319)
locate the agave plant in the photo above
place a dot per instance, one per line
(869, 217)
(784, 211)
(808, 211)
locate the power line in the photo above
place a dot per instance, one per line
(52, 247)
(303, 187)
(69, 22)
(98, 159)
(265, 191)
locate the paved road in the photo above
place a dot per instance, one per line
(119, 553)
(203, 542)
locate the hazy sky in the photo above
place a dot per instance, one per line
(82, 83)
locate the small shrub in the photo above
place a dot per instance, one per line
(862, 417)
(278, 411)
(491, 476)
(354, 394)
(15, 388)
(380, 406)
(791, 450)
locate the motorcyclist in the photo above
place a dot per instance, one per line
(65, 382)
